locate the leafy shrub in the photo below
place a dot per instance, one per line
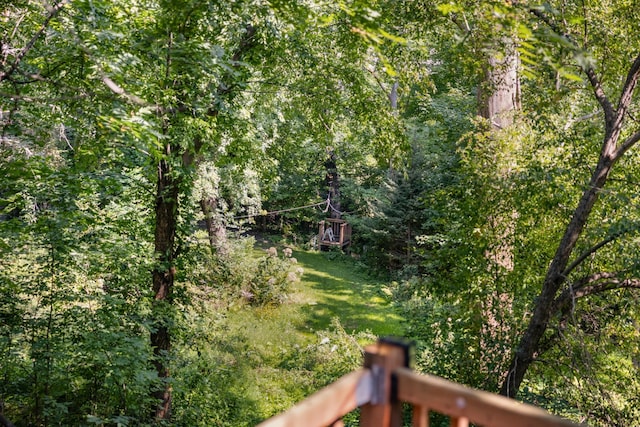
(243, 277)
(272, 278)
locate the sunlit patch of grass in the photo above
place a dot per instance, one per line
(276, 355)
(335, 288)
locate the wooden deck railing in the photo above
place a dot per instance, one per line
(385, 382)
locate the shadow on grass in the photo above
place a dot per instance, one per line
(337, 289)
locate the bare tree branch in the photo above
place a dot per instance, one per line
(627, 144)
(377, 79)
(113, 86)
(609, 113)
(628, 88)
(571, 122)
(392, 94)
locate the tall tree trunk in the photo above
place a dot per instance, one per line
(499, 94)
(333, 185)
(558, 271)
(166, 210)
(498, 101)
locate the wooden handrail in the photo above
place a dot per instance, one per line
(380, 387)
(457, 401)
(328, 405)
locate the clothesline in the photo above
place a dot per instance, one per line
(326, 209)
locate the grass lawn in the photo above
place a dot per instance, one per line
(335, 288)
(329, 289)
(290, 351)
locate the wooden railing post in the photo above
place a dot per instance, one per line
(382, 359)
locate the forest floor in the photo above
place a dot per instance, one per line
(316, 336)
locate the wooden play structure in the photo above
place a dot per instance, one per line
(334, 233)
(385, 383)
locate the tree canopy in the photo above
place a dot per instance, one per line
(485, 153)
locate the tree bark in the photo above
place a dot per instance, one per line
(554, 278)
(166, 210)
(216, 229)
(499, 95)
(333, 185)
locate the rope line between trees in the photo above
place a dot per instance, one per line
(326, 209)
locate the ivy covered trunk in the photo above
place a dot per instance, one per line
(216, 229)
(166, 210)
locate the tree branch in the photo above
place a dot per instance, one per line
(609, 113)
(113, 86)
(591, 285)
(588, 252)
(391, 95)
(629, 87)
(53, 11)
(571, 122)
(627, 144)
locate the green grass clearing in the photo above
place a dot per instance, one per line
(335, 288)
(279, 355)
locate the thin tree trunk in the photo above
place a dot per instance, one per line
(166, 211)
(333, 184)
(555, 277)
(611, 151)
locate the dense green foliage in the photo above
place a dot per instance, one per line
(127, 127)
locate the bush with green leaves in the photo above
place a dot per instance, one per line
(243, 275)
(73, 306)
(273, 277)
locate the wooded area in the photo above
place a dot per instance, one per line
(480, 156)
